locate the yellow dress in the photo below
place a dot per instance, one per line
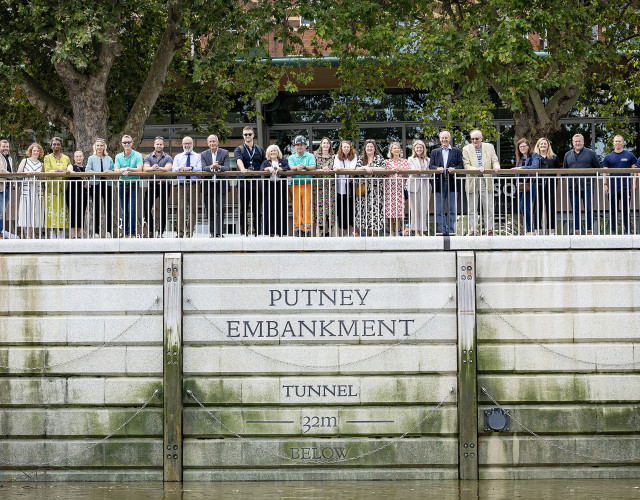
(57, 216)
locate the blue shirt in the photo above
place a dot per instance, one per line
(624, 159)
(95, 165)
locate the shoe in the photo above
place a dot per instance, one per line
(577, 233)
(472, 233)
(589, 233)
(108, 235)
(489, 233)
(96, 235)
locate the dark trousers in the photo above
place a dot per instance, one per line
(346, 207)
(250, 200)
(216, 200)
(580, 190)
(546, 199)
(102, 195)
(156, 190)
(276, 205)
(619, 189)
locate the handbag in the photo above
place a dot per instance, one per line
(361, 190)
(524, 186)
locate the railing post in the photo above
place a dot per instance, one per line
(467, 375)
(172, 373)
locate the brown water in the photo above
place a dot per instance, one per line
(342, 490)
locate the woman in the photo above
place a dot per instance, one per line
(525, 158)
(546, 188)
(369, 213)
(394, 190)
(324, 189)
(31, 211)
(100, 190)
(418, 188)
(77, 196)
(57, 216)
(275, 193)
(345, 159)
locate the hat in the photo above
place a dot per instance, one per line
(300, 140)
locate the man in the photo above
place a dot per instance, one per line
(215, 159)
(187, 161)
(580, 187)
(617, 185)
(6, 165)
(249, 157)
(480, 156)
(446, 158)
(158, 161)
(128, 162)
(302, 192)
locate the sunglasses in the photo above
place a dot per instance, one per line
(127, 142)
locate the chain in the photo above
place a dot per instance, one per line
(88, 353)
(546, 348)
(339, 365)
(551, 443)
(91, 446)
(323, 462)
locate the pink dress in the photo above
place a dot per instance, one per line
(394, 190)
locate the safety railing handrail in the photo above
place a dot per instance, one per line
(512, 172)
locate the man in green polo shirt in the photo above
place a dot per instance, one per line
(128, 162)
(302, 191)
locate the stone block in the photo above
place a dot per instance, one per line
(85, 391)
(576, 264)
(402, 359)
(144, 360)
(87, 360)
(32, 391)
(132, 391)
(213, 391)
(336, 266)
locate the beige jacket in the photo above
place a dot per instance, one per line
(3, 170)
(470, 162)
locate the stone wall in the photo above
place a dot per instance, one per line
(321, 363)
(558, 346)
(314, 359)
(80, 352)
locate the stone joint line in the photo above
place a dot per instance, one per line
(548, 349)
(557, 446)
(323, 462)
(156, 393)
(89, 353)
(339, 365)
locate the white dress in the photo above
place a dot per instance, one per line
(31, 211)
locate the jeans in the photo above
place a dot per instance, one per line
(446, 211)
(4, 202)
(528, 206)
(128, 195)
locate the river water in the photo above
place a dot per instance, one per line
(342, 490)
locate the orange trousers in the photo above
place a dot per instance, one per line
(301, 202)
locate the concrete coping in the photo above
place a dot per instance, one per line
(312, 244)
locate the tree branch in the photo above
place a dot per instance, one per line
(50, 106)
(171, 41)
(538, 106)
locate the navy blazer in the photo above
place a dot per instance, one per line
(222, 155)
(454, 160)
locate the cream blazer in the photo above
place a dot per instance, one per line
(470, 162)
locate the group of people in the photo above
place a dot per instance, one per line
(323, 204)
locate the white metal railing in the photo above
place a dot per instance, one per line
(336, 204)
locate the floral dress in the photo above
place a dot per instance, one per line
(324, 194)
(394, 189)
(31, 211)
(369, 213)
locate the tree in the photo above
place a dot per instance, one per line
(539, 57)
(98, 68)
